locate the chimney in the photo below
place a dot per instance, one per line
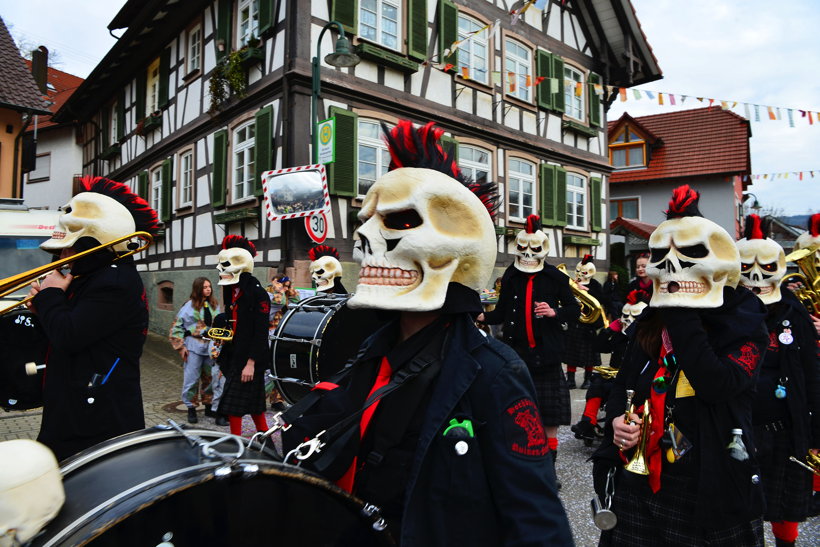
(39, 68)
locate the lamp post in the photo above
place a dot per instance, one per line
(755, 204)
(341, 57)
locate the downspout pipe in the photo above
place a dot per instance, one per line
(16, 163)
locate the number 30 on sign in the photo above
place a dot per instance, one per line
(316, 226)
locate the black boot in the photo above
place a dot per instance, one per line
(192, 419)
(571, 380)
(783, 543)
(221, 420)
(209, 413)
(554, 455)
(584, 430)
(587, 379)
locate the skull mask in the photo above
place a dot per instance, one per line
(811, 239)
(585, 270)
(324, 267)
(531, 246)
(630, 312)
(94, 215)
(691, 259)
(421, 230)
(762, 262)
(235, 257)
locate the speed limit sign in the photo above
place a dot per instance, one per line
(316, 226)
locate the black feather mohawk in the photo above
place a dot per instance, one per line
(145, 218)
(420, 147)
(684, 203)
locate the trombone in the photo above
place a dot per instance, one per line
(16, 282)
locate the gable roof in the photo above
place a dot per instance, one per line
(625, 226)
(17, 88)
(694, 143)
(64, 85)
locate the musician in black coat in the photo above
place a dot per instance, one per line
(96, 319)
(579, 343)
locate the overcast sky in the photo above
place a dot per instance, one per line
(755, 51)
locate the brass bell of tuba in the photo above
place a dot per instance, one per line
(809, 293)
(591, 309)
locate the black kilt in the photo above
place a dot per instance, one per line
(552, 395)
(788, 487)
(240, 398)
(600, 388)
(578, 350)
(667, 518)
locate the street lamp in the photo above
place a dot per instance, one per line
(342, 57)
(755, 204)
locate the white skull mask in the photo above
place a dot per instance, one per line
(584, 273)
(324, 270)
(91, 214)
(231, 263)
(629, 313)
(530, 251)
(762, 266)
(421, 230)
(692, 259)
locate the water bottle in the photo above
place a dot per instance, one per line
(736, 448)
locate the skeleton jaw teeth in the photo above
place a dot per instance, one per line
(758, 290)
(690, 287)
(370, 275)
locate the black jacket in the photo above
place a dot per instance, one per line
(549, 285)
(102, 319)
(720, 351)
(250, 337)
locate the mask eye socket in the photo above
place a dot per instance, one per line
(770, 267)
(67, 210)
(402, 220)
(320, 272)
(536, 249)
(694, 251)
(225, 264)
(521, 248)
(659, 254)
(744, 267)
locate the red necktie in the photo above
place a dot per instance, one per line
(382, 379)
(528, 311)
(657, 402)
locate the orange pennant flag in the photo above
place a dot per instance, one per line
(465, 72)
(511, 81)
(622, 93)
(771, 113)
(539, 79)
(660, 98)
(448, 67)
(529, 81)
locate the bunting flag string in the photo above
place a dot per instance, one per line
(789, 175)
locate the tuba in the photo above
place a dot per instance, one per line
(809, 293)
(591, 309)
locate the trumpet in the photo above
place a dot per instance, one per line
(809, 293)
(591, 309)
(638, 463)
(812, 462)
(16, 282)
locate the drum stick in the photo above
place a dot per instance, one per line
(32, 368)
(111, 370)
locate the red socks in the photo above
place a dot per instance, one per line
(552, 443)
(259, 422)
(785, 531)
(591, 409)
(236, 425)
(571, 369)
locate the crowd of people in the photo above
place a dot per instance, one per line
(711, 385)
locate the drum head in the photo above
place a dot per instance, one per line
(155, 489)
(23, 341)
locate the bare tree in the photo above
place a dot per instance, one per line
(25, 45)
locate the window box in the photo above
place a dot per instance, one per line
(149, 123)
(237, 215)
(250, 56)
(576, 127)
(110, 152)
(506, 231)
(160, 234)
(387, 58)
(581, 240)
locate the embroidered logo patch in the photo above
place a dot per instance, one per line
(773, 345)
(748, 357)
(525, 432)
(264, 306)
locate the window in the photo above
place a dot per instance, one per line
(165, 295)
(42, 169)
(574, 93)
(248, 21)
(474, 162)
(472, 54)
(195, 49)
(519, 70)
(626, 208)
(244, 148)
(152, 88)
(521, 183)
(156, 189)
(379, 21)
(576, 201)
(113, 119)
(186, 178)
(628, 149)
(374, 159)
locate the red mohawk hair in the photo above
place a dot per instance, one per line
(684, 203)
(754, 228)
(636, 296)
(533, 224)
(814, 225)
(420, 147)
(323, 250)
(232, 241)
(145, 218)
(587, 259)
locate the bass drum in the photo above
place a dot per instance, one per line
(315, 339)
(23, 341)
(155, 488)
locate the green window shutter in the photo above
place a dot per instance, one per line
(558, 72)
(450, 146)
(142, 185)
(263, 146)
(344, 172)
(346, 12)
(164, 78)
(595, 205)
(121, 116)
(417, 29)
(139, 108)
(266, 17)
(223, 28)
(167, 194)
(594, 101)
(219, 175)
(560, 196)
(105, 122)
(448, 31)
(547, 201)
(543, 67)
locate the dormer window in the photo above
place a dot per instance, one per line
(627, 149)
